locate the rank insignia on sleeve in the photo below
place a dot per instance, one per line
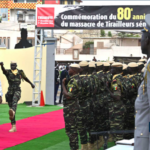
(70, 89)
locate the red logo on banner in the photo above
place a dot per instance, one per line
(45, 17)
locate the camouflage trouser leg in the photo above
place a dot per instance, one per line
(129, 123)
(106, 118)
(82, 122)
(13, 104)
(91, 121)
(70, 117)
(116, 115)
(100, 124)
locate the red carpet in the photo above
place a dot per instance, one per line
(31, 128)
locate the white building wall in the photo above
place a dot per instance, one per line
(106, 54)
(127, 51)
(129, 42)
(106, 42)
(13, 35)
(13, 15)
(65, 46)
(69, 57)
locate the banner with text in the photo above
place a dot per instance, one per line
(91, 17)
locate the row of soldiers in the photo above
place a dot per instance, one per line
(100, 96)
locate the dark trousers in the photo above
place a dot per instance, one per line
(56, 89)
(70, 111)
(61, 94)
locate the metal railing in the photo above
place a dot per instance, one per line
(106, 134)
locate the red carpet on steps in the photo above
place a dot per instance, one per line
(31, 128)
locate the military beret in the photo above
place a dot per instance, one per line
(143, 69)
(106, 64)
(99, 63)
(117, 64)
(111, 62)
(142, 60)
(124, 66)
(83, 63)
(13, 62)
(140, 63)
(132, 64)
(75, 66)
(92, 64)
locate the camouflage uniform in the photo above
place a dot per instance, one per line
(107, 99)
(100, 101)
(14, 92)
(70, 110)
(127, 84)
(132, 88)
(117, 108)
(84, 111)
(92, 102)
(96, 106)
(140, 75)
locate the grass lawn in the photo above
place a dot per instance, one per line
(24, 112)
(57, 140)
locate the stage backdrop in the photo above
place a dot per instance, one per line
(91, 17)
(25, 60)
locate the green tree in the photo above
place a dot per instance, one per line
(102, 33)
(122, 35)
(109, 34)
(87, 44)
(128, 35)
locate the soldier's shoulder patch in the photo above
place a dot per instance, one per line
(132, 86)
(70, 89)
(115, 87)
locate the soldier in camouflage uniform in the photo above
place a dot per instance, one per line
(124, 70)
(126, 99)
(106, 96)
(132, 88)
(143, 61)
(92, 101)
(100, 101)
(116, 106)
(84, 122)
(71, 106)
(110, 62)
(13, 95)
